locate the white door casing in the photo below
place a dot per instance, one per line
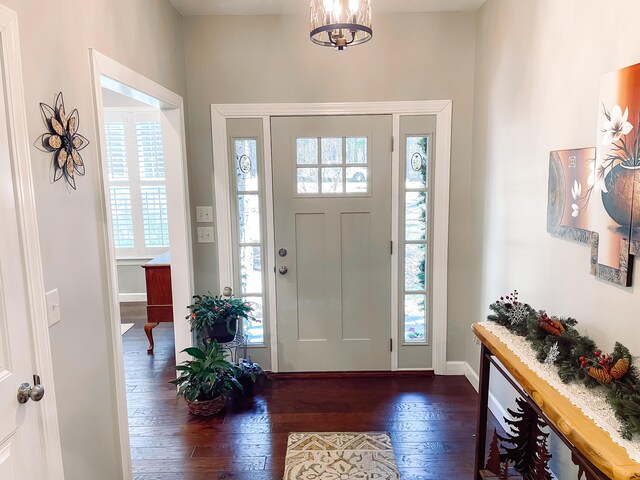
(441, 109)
(29, 435)
(171, 106)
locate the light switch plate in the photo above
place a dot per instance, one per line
(205, 234)
(53, 307)
(204, 214)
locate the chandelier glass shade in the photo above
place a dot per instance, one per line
(340, 23)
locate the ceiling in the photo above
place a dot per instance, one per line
(271, 7)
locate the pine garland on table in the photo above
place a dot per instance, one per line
(557, 342)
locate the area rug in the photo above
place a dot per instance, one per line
(336, 456)
(125, 327)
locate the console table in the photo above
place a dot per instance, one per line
(157, 273)
(593, 451)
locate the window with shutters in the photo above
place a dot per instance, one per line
(137, 191)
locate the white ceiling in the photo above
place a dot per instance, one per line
(269, 7)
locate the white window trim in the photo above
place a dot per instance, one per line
(442, 109)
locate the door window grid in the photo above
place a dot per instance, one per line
(249, 234)
(332, 165)
(415, 234)
(135, 166)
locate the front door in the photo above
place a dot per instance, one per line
(332, 218)
(21, 441)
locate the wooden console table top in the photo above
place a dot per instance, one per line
(592, 441)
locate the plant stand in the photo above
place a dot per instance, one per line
(235, 349)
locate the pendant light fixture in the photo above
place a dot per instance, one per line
(339, 23)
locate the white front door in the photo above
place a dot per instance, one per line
(22, 442)
(332, 212)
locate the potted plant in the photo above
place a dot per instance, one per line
(207, 380)
(250, 373)
(216, 317)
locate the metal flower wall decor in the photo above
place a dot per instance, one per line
(63, 140)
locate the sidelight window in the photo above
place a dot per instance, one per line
(250, 238)
(415, 236)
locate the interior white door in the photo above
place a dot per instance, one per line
(332, 213)
(21, 432)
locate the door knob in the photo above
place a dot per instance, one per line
(26, 391)
(283, 270)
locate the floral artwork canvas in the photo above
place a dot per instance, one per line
(594, 193)
(569, 176)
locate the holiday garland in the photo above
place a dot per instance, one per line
(557, 342)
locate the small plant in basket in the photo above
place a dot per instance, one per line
(216, 317)
(251, 374)
(207, 380)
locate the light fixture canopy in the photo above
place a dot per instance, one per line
(339, 23)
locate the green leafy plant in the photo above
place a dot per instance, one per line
(577, 357)
(208, 375)
(208, 310)
(250, 370)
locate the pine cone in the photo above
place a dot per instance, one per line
(551, 326)
(599, 374)
(620, 369)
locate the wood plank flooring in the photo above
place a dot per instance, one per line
(431, 420)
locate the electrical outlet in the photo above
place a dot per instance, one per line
(53, 307)
(204, 214)
(205, 234)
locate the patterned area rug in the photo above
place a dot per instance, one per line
(340, 456)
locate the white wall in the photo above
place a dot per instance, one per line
(145, 35)
(131, 279)
(538, 70)
(254, 59)
(537, 80)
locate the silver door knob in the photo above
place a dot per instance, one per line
(283, 270)
(26, 391)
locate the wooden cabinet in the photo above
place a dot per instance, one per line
(157, 274)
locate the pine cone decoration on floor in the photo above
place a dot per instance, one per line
(599, 374)
(620, 369)
(551, 325)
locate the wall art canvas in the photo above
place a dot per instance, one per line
(594, 193)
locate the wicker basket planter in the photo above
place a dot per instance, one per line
(206, 408)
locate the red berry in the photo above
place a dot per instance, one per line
(582, 359)
(597, 353)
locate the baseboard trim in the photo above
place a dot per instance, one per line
(495, 407)
(132, 297)
(456, 368)
(372, 374)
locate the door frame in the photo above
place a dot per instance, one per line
(442, 109)
(172, 118)
(28, 227)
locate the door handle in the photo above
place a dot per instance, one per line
(27, 392)
(283, 270)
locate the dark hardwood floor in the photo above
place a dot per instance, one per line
(431, 420)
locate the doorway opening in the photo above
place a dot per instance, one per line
(146, 211)
(296, 178)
